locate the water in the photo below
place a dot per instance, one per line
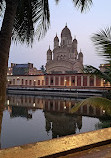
(29, 119)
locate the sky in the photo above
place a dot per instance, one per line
(81, 25)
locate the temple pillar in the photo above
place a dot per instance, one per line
(59, 81)
(69, 80)
(94, 81)
(53, 80)
(81, 80)
(75, 80)
(88, 81)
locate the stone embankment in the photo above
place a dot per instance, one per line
(77, 93)
(60, 146)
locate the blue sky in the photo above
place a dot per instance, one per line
(81, 25)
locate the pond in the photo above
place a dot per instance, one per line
(29, 119)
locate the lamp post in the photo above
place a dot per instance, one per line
(65, 82)
(104, 83)
(8, 83)
(34, 82)
(18, 81)
(104, 87)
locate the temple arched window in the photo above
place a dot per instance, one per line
(38, 82)
(26, 82)
(22, 81)
(61, 56)
(63, 42)
(30, 82)
(13, 81)
(58, 58)
(51, 80)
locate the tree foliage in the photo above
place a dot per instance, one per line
(33, 18)
(102, 103)
(102, 41)
(94, 71)
(83, 4)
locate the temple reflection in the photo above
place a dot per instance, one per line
(58, 118)
(20, 111)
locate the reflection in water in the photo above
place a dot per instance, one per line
(95, 103)
(61, 124)
(1, 116)
(2, 107)
(20, 111)
(29, 119)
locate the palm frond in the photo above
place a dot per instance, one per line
(32, 18)
(83, 4)
(98, 102)
(42, 18)
(102, 41)
(23, 29)
(94, 71)
(2, 7)
(57, 1)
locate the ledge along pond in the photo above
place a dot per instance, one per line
(28, 119)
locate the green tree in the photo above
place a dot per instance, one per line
(42, 68)
(19, 19)
(102, 42)
(99, 102)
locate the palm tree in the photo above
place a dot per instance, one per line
(102, 103)
(83, 4)
(19, 23)
(106, 75)
(20, 17)
(102, 41)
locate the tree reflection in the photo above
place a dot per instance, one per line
(2, 102)
(62, 124)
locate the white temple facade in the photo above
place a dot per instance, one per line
(65, 57)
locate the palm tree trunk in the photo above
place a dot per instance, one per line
(5, 42)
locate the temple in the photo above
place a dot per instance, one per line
(65, 57)
(63, 68)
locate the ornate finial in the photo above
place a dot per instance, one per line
(66, 24)
(80, 50)
(56, 34)
(49, 47)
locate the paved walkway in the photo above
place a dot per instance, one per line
(97, 152)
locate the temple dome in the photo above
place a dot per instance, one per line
(56, 38)
(81, 54)
(66, 33)
(49, 51)
(75, 40)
